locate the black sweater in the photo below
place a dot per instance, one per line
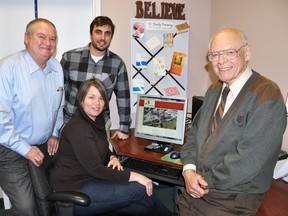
(83, 155)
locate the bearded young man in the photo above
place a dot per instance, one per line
(96, 61)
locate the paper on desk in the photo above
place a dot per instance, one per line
(281, 169)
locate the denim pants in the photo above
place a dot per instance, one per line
(108, 198)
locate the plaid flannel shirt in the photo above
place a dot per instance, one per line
(79, 66)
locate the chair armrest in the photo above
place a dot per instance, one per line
(73, 197)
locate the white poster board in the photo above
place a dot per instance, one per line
(159, 58)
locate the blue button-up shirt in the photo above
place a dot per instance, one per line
(31, 101)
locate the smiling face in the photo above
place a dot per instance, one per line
(229, 70)
(41, 42)
(101, 37)
(93, 103)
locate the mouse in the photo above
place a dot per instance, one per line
(175, 155)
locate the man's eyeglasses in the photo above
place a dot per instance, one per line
(229, 54)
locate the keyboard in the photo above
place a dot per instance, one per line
(154, 170)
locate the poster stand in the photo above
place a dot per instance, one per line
(147, 42)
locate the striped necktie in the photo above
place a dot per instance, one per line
(219, 113)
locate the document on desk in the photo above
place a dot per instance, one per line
(281, 170)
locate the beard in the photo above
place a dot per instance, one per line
(98, 48)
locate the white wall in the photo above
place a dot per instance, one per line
(13, 20)
(71, 18)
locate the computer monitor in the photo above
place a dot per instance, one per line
(161, 118)
(197, 102)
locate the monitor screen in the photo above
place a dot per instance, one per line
(197, 102)
(160, 118)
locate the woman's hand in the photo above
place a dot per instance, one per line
(141, 179)
(52, 145)
(115, 163)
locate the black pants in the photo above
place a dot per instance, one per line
(15, 180)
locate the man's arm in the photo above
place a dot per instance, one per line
(195, 185)
(122, 93)
(9, 137)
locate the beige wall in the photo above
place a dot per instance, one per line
(265, 22)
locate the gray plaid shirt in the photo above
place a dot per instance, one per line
(79, 66)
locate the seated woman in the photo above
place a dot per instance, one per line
(86, 164)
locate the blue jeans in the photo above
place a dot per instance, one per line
(108, 198)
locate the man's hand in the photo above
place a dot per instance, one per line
(119, 135)
(35, 155)
(52, 145)
(195, 184)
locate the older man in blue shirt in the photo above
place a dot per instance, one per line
(31, 103)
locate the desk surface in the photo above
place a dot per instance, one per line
(275, 202)
(134, 147)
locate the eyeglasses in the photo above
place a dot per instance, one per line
(229, 54)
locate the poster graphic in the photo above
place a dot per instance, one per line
(172, 91)
(138, 30)
(168, 40)
(177, 63)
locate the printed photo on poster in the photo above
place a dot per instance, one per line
(138, 30)
(168, 40)
(177, 63)
(159, 66)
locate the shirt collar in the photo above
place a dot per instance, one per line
(236, 87)
(33, 66)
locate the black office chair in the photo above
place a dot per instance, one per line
(50, 202)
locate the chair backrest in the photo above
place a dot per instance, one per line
(50, 202)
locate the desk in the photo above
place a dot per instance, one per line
(275, 201)
(134, 147)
